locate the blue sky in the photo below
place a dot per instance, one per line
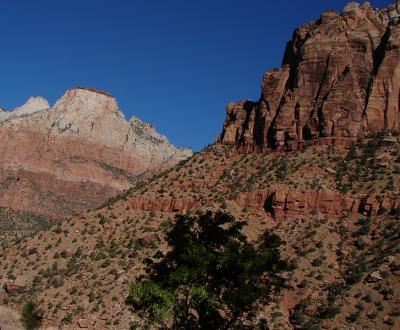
(174, 63)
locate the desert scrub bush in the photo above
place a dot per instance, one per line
(355, 273)
(364, 227)
(282, 170)
(354, 317)
(30, 315)
(329, 312)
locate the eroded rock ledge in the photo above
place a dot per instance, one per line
(280, 203)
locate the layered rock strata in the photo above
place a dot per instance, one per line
(280, 203)
(339, 80)
(77, 154)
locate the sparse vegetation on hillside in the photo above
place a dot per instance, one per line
(17, 225)
(82, 268)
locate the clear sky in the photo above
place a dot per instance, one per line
(174, 63)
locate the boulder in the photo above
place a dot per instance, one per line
(374, 277)
(121, 280)
(83, 323)
(330, 171)
(147, 238)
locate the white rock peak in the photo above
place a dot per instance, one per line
(94, 115)
(34, 104)
(88, 100)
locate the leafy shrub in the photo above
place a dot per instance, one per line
(210, 267)
(30, 315)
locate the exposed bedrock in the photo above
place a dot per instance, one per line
(340, 78)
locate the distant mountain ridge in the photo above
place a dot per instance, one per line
(32, 105)
(63, 159)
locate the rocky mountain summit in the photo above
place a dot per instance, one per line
(339, 81)
(34, 104)
(65, 159)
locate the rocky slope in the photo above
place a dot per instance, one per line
(339, 81)
(66, 159)
(337, 209)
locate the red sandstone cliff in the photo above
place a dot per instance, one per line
(280, 203)
(60, 160)
(340, 78)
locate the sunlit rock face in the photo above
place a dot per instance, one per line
(340, 80)
(62, 160)
(34, 104)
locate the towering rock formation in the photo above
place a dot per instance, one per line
(340, 80)
(77, 154)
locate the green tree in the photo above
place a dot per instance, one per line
(211, 277)
(352, 154)
(281, 171)
(30, 315)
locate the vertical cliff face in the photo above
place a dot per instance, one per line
(339, 79)
(77, 154)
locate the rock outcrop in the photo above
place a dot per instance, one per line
(340, 78)
(279, 203)
(167, 204)
(282, 202)
(68, 158)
